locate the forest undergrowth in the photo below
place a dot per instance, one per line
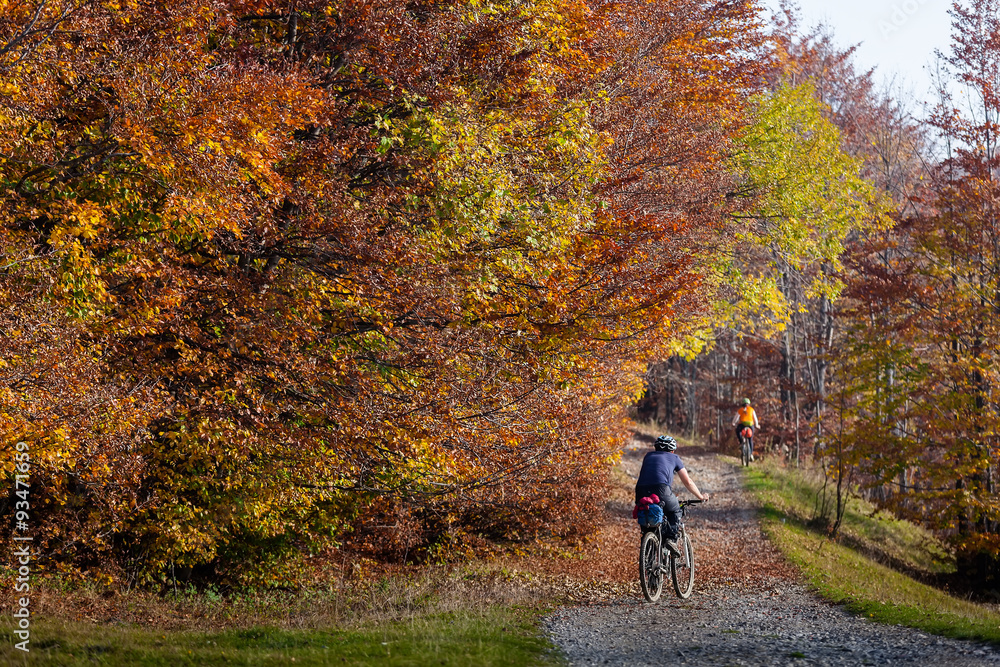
(351, 590)
(483, 610)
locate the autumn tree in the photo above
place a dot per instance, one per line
(917, 368)
(955, 241)
(332, 268)
(807, 196)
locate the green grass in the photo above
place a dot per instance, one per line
(492, 636)
(849, 576)
(799, 494)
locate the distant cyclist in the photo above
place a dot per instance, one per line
(656, 476)
(746, 417)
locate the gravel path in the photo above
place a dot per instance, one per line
(748, 607)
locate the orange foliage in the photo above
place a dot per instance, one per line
(345, 266)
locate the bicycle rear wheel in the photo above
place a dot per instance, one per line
(650, 574)
(745, 450)
(682, 567)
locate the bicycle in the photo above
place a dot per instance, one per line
(744, 436)
(652, 556)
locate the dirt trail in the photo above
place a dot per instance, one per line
(749, 606)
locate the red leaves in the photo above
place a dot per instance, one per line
(370, 250)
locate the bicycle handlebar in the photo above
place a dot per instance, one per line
(691, 502)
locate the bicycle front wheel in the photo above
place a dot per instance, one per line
(650, 574)
(682, 567)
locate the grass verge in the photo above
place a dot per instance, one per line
(492, 636)
(432, 615)
(848, 576)
(802, 494)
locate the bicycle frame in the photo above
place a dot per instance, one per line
(655, 561)
(744, 442)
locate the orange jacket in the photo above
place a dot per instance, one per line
(746, 415)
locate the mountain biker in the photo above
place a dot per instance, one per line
(746, 417)
(656, 476)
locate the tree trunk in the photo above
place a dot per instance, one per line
(692, 398)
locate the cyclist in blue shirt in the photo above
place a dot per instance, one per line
(657, 476)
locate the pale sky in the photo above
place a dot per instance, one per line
(897, 37)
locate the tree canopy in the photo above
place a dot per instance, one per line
(279, 277)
